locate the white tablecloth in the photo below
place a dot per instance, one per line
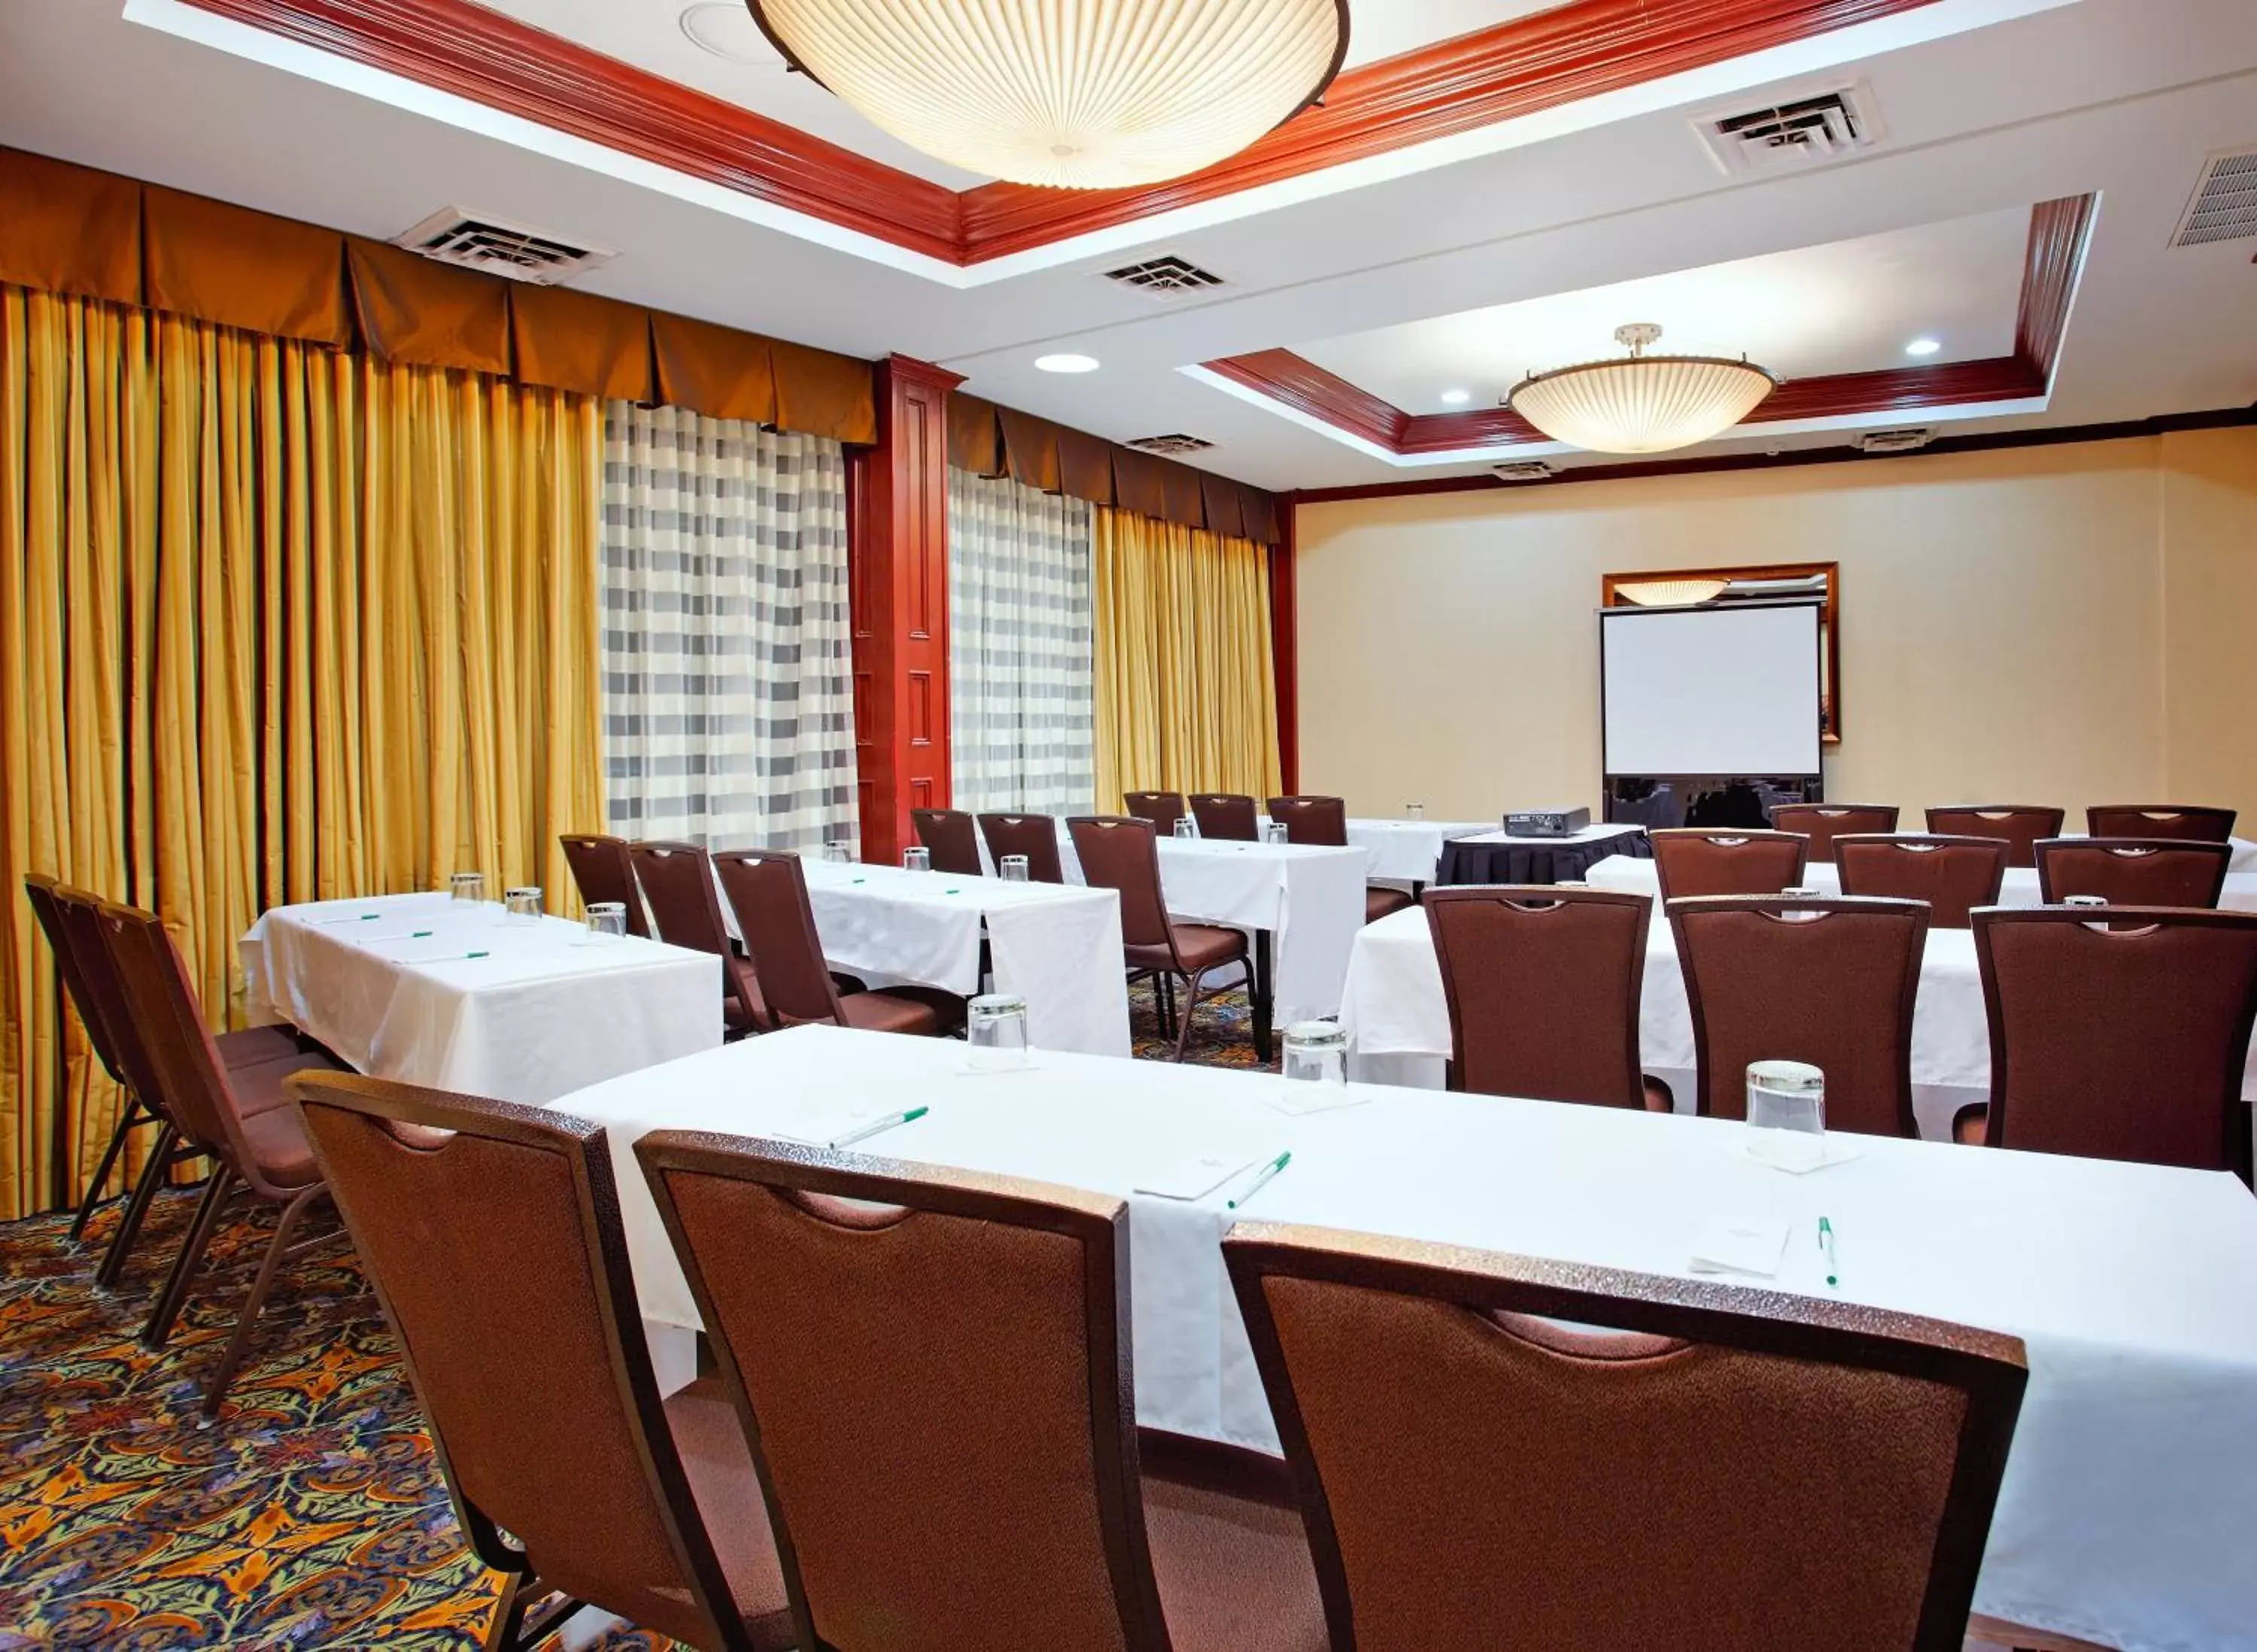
(2132, 1486)
(2020, 888)
(1408, 850)
(543, 1013)
(1310, 900)
(1059, 947)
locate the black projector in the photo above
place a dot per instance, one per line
(1546, 822)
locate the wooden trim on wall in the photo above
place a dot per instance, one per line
(1286, 651)
(2059, 230)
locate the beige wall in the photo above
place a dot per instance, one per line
(2072, 625)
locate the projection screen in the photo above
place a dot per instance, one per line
(1729, 690)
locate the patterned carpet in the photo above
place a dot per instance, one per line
(311, 1514)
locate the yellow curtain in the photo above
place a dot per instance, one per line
(276, 624)
(1184, 697)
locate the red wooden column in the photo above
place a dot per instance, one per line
(1284, 646)
(898, 574)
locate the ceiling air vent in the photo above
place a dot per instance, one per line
(498, 247)
(1905, 441)
(1795, 132)
(1522, 470)
(1166, 278)
(1176, 441)
(2224, 207)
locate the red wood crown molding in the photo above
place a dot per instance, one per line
(2058, 230)
(1573, 52)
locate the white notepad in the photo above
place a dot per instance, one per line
(1192, 1176)
(1747, 1246)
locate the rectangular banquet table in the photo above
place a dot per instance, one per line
(2019, 889)
(1497, 857)
(2131, 1485)
(1398, 1023)
(1408, 850)
(542, 1011)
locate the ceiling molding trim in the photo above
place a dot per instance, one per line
(2061, 231)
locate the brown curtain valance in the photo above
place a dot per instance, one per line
(68, 228)
(1030, 450)
(975, 441)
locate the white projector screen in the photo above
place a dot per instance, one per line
(1725, 691)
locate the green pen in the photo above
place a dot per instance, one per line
(357, 917)
(1262, 1181)
(1826, 1244)
(451, 957)
(888, 1123)
(412, 934)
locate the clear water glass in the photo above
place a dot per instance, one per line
(839, 849)
(1787, 1113)
(468, 886)
(523, 905)
(607, 920)
(1316, 1052)
(1414, 811)
(1013, 868)
(2085, 901)
(917, 857)
(1273, 832)
(1801, 892)
(995, 1033)
(1186, 826)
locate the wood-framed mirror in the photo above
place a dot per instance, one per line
(1716, 587)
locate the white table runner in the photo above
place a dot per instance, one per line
(542, 1011)
(2019, 889)
(2133, 1482)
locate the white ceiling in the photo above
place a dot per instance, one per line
(2122, 97)
(1843, 307)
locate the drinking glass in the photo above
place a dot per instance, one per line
(1013, 868)
(1316, 1052)
(468, 886)
(917, 857)
(995, 1033)
(1414, 811)
(839, 849)
(523, 906)
(1186, 826)
(607, 922)
(1801, 892)
(1273, 832)
(1787, 1113)
(2085, 901)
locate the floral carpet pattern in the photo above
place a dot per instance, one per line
(311, 1514)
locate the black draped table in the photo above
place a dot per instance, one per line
(1493, 858)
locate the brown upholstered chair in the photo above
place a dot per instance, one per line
(1322, 823)
(1542, 984)
(2019, 824)
(491, 1235)
(768, 891)
(2133, 871)
(1033, 836)
(1122, 854)
(1692, 860)
(952, 839)
(263, 1153)
(1164, 810)
(2182, 823)
(1953, 875)
(1831, 982)
(1692, 1465)
(677, 880)
(936, 1383)
(605, 871)
(1822, 823)
(1225, 815)
(2116, 1041)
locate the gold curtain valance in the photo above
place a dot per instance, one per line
(72, 230)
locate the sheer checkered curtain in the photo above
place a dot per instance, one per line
(728, 685)
(1020, 713)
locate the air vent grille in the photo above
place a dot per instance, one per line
(1165, 277)
(1522, 470)
(475, 240)
(1795, 132)
(1176, 441)
(2225, 203)
(1905, 441)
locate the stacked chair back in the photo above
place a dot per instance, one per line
(677, 880)
(1321, 823)
(2182, 823)
(1227, 816)
(1822, 823)
(950, 835)
(1164, 810)
(2019, 824)
(491, 1235)
(1468, 1467)
(1542, 984)
(1033, 836)
(605, 871)
(2133, 871)
(1692, 861)
(1953, 875)
(2126, 1038)
(1831, 982)
(94, 1013)
(1122, 854)
(768, 891)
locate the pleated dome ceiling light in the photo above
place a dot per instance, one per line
(1643, 404)
(1079, 94)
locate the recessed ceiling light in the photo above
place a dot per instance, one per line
(726, 30)
(1067, 361)
(1456, 398)
(1923, 347)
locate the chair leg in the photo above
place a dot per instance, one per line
(1163, 985)
(127, 1120)
(1192, 986)
(160, 1163)
(216, 1386)
(175, 1292)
